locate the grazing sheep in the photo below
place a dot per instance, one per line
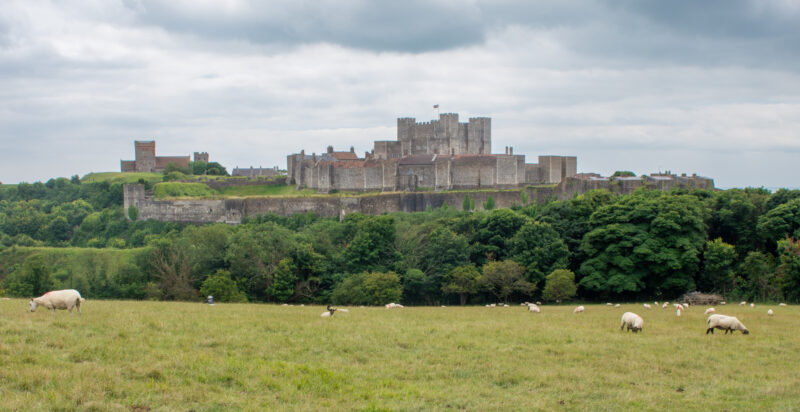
(609, 304)
(647, 306)
(534, 308)
(742, 303)
(655, 303)
(709, 310)
(664, 306)
(752, 305)
(685, 306)
(393, 305)
(617, 305)
(539, 303)
(633, 321)
(726, 323)
(723, 303)
(58, 299)
(770, 313)
(579, 309)
(781, 304)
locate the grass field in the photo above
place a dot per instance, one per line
(189, 356)
(119, 177)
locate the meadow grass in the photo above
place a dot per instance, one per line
(122, 355)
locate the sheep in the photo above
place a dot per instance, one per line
(655, 303)
(58, 299)
(685, 306)
(709, 310)
(393, 305)
(633, 321)
(646, 306)
(609, 304)
(742, 303)
(752, 305)
(723, 303)
(534, 308)
(726, 323)
(617, 305)
(328, 313)
(769, 312)
(539, 303)
(781, 304)
(664, 306)
(579, 309)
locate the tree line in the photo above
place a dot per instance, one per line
(741, 243)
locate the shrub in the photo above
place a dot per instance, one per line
(222, 287)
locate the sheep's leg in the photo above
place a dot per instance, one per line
(710, 330)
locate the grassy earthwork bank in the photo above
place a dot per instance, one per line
(124, 355)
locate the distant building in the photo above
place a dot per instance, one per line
(147, 161)
(255, 172)
(439, 155)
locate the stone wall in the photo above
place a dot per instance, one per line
(233, 210)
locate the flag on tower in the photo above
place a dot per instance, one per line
(435, 106)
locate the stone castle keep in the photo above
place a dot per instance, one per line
(437, 155)
(147, 161)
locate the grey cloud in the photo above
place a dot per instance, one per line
(410, 26)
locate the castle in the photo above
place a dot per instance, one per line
(438, 155)
(147, 161)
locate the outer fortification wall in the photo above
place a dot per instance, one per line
(232, 211)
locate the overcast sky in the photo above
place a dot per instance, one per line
(707, 87)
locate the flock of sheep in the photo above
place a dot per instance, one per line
(70, 299)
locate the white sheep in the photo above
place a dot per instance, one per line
(726, 323)
(633, 321)
(752, 305)
(781, 304)
(617, 305)
(664, 306)
(655, 303)
(646, 306)
(770, 313)
(534, 308)
(393, 305)
(723, 303)
(742, 303)
(609, 304)
(58, 299)
(579, 309)
(709, 310)
(685, 306)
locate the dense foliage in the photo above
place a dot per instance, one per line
(649, 244)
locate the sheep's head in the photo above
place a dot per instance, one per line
(745, 331)
(34, 305)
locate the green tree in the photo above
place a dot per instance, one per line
(645, 244)
(462, 281)
(539, 249)
(759, 283)
(789, 268)
(560, 285)
(382, 288)
(719, 259)
(493, 231)
(489, 204)
(32, 279)
(283, 281)
(169, 262)
(133, 213)
(373, 247)
(418, 287)
(222, 287)
(504, 278)
(466, 205)
(780, 222)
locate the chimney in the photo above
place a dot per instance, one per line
(330, 149)
(510, 150)
(313, 157)
(352, 149)
(506, 149)
(302, 152)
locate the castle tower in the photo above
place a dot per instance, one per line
(405, 134)
(479, 135)
(201, 157)
(145, 155)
